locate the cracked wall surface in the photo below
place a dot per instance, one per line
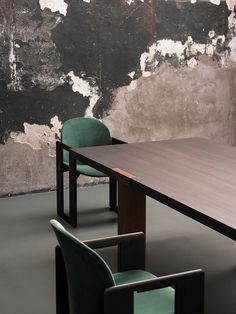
(150, 69)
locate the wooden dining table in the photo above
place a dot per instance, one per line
(196, 177)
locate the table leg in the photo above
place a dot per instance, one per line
(131, 209)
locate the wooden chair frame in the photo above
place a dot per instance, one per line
(71, 218)
(189, 286)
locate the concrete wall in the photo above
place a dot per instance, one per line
(150, 69)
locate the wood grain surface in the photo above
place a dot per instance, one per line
(195, 176)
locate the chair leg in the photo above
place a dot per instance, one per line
(62, 300)
(113, 194)
(60, 182)
(189, 295)
(73, 175)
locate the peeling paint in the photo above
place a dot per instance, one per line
(163, 47)
(216, 2)
(211, 34)
(193, 48)
(39, 136)
(131, 74)
(54, 5)
(231, 4)
(184, 53)
(231, 20)
(14, 85)
(232, 46)
(12, 64)
(132, 85)
(41, 41)
(33, 59)
(177, 104)
(83, 87)
(129, 2)
(192, 63)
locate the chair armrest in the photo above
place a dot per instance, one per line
(189, 293)
(59, 156)
(117, 141)
(60, 146)
(131, 249)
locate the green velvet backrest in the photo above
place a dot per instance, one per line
(84, 132)
(87, 273)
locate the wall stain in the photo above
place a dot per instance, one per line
(195, 20)
(116, 36)
(38, 106)
(99, 41)
(42, 42)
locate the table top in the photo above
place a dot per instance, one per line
(195, 176)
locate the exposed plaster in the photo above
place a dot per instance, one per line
(83, 87)
(129, 2)
(39, 136)
(231, 4)
(232, 46)
(195, 110)
(216, 2)
(184, 53)
(131, 74)
(192, 63)
(54, 5)
(33, 59)
(14, 85)
(231, 20)
(211, 34)
(132, 85)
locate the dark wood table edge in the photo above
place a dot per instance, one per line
(188, 211)
(176, 205)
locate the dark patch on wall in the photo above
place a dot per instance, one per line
(177, 22)
(104, 40)
(38, 106)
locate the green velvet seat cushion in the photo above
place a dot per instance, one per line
(132, 276)
(149, 302)
(88, 171)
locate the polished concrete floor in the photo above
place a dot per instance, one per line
(174, 243)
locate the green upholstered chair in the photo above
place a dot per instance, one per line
(81, 132)
(86, 285)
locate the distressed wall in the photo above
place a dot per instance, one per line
(150, 69)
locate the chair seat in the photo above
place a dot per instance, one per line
(88, 171)
(150, 302)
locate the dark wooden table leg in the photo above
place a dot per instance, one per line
(72, 191)
(131, 209)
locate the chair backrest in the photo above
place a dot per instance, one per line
(87, 273)
(84, 132)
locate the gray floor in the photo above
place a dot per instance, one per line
(174, 243)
